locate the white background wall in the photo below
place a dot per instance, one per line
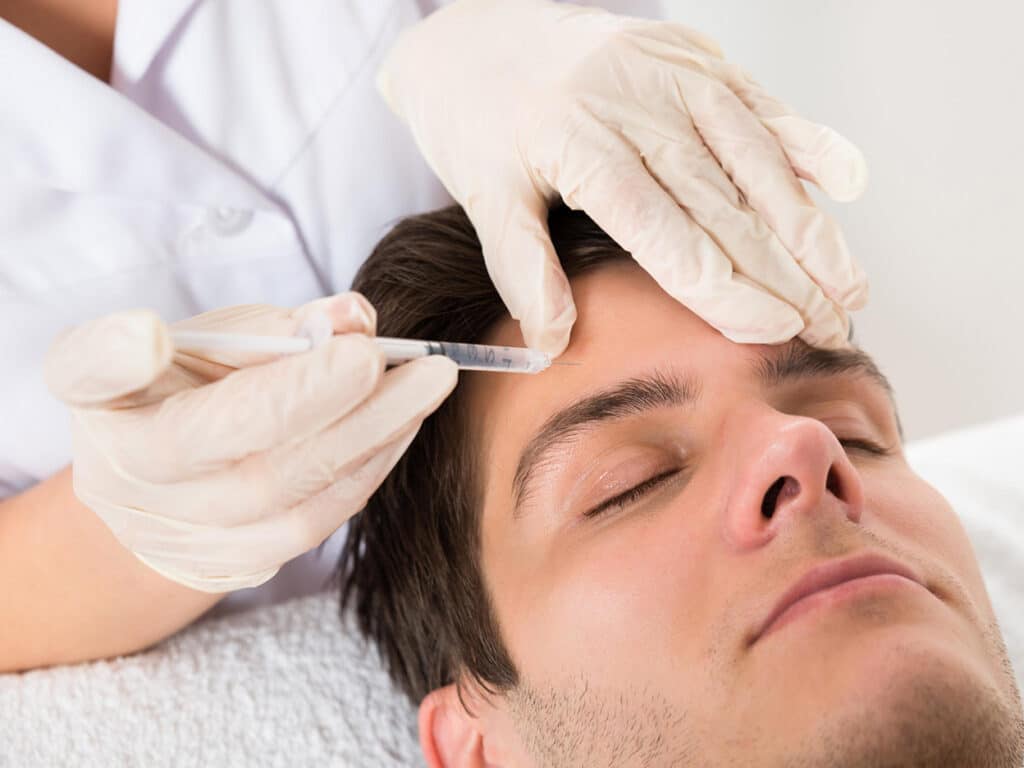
(933, 92)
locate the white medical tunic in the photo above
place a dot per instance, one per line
(240, 154)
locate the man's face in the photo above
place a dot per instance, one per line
(633, 552)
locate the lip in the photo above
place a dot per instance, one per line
(831, 574)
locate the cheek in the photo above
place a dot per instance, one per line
(609, 604)
(923, 521)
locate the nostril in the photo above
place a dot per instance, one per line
(771, 497)
(784, 486)
(832, 483)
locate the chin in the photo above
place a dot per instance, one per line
(920, 700)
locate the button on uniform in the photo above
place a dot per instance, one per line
(226, 222)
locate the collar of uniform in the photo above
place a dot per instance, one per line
(142, 30)
(67, 130)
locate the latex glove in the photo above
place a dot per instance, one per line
(675, 153)
(216, 470)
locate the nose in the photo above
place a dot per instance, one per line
(787, 471)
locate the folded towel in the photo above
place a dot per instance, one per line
(285, 685)
(292, 684)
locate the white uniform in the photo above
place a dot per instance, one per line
(241, 155)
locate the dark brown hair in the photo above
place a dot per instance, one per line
(410, 567)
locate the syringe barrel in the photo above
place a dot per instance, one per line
(485, 357)
(469, 357)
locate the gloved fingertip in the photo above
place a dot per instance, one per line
(547, 324)
(829, 330)
(550, 329)
(361, 312)
(201, 582)
(851, 290)
(441, 373)
(821, 155)
(353, 355)
(843, 172)
(551, 340)
(109, 357)
(857, 297)
(789, 325)
(831, 341)
(316, 327)
(348, 312)
(424, 383)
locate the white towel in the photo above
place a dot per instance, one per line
(285, 685)
(289, 685)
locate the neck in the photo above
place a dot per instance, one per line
(82, 31)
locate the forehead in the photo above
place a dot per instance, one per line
(618, 307)
(626, 324)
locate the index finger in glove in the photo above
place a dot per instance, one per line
(406, 395)
(686, 169)
(815, 152)
(250, 410)
(310, 522)
(342, 313)
(602, 174)
(323, 507)
(755, 162)
(280, 504)
(266, 483)
(524, 267)
(222, 559)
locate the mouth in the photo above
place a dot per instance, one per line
(837, 577)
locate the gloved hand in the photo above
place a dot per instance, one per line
(677, 154)
(217, 469)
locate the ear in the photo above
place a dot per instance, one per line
(449, 736)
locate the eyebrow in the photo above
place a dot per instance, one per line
(797, 362)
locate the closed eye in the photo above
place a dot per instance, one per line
(626, 498)
(863, 445)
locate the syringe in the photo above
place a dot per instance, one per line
(469, 357)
